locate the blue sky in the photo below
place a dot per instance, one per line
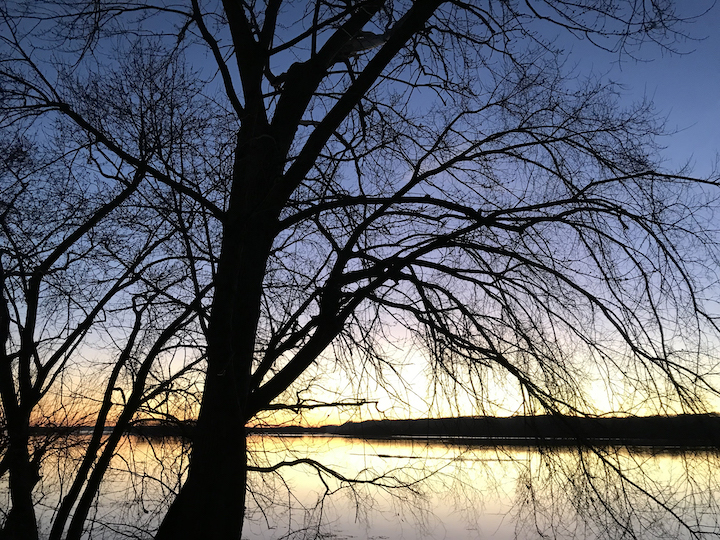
(685, 88)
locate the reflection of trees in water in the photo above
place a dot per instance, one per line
(619, 493)
(139, 485)
(320, 487)
(528, 493)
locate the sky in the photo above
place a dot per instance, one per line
(685, 88)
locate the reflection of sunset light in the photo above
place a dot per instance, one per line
(451, 491)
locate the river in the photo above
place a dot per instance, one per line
(343, 488)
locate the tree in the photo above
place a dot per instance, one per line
(93, 290)
(340, 169)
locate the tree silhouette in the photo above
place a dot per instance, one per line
(258, 189)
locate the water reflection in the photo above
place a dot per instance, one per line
(351, 488)
(477, 492)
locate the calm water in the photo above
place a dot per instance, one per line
(343, 489)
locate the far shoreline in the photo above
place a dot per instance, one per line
(680, 431)
(684, 431)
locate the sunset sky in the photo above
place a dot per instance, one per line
(685, 89)
(684, 86)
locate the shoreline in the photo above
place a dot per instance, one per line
(681, 431)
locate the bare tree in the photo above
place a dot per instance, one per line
(98, 303)
(327, 171)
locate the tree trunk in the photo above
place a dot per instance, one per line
(20, 523)
(211, 502)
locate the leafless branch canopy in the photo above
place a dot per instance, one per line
(222, 210)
